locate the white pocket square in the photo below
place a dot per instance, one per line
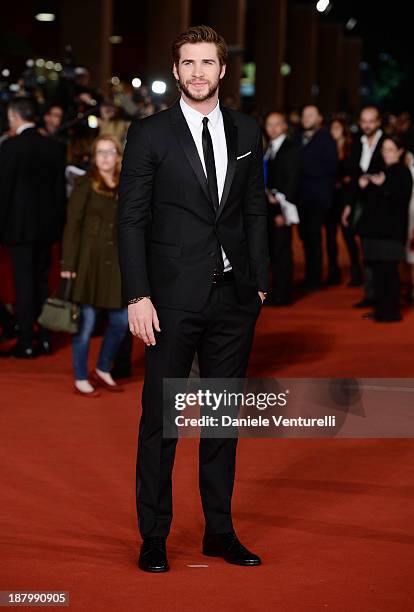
(245, 155)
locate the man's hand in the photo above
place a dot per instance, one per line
(271, 198)
(142, 320)
(262, 296)
(279, 221)
(378, 179)
(345, 215)
(67, 274)
(363, 181)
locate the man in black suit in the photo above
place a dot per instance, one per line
(318, 161)
(281, 165)
(32, 200)
(366, 159)
(194, 263)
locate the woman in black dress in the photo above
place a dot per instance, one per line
(341, 133)
(384, 224)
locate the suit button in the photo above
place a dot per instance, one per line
(212, 254)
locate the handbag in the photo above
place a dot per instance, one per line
(59, 313)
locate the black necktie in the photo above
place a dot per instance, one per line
(210, 164)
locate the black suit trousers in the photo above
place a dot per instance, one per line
(312, 215)
(30, 264)
(386, 283)
(221, 334)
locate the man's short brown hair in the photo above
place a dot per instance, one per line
(198, 34)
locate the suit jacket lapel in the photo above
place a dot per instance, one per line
(230, 130)
(185, 138)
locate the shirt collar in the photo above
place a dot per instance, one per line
(24, 127)
(196, 118)
(378, 135)
(277, 142)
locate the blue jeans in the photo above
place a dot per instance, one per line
(114, 334)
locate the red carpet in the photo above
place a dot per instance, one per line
(332, 519)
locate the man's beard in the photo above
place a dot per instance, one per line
(370, 132)
(202, 97)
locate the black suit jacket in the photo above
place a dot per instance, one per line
(282, 173)
(318, 167)
(376, 165)
(32, 189)
(168, 228)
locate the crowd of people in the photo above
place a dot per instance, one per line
(329, 176)
(356, 181)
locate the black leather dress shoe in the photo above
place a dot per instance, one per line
(365, 303)
(228, 546)
(388, 319)
(153, 556)
(369, 315)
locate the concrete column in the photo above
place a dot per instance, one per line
(302, 55)
(87, 26)
(269, 53)
(351, 73)
(228, 19)
(166, 20)
(330, 63)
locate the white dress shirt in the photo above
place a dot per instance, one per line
(274, 146)
(216, 128)
(24, 127)
(367, 150)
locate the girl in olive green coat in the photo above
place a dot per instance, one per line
(90, 257)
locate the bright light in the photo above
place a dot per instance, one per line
(30, 63)
(49, 65)
(115, 80)
(5, 72)
(136, 83)
(40, 62)
(92, 121)
(45, 17)
(351, 23)
(115, 40)
(58, 66)
(159, 87)
(322, 5)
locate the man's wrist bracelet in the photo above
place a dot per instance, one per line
(138, 299)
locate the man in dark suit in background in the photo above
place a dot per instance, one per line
(318, 161)
(281, 165)
(32, 201)
(194, 261)
(366, 159)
